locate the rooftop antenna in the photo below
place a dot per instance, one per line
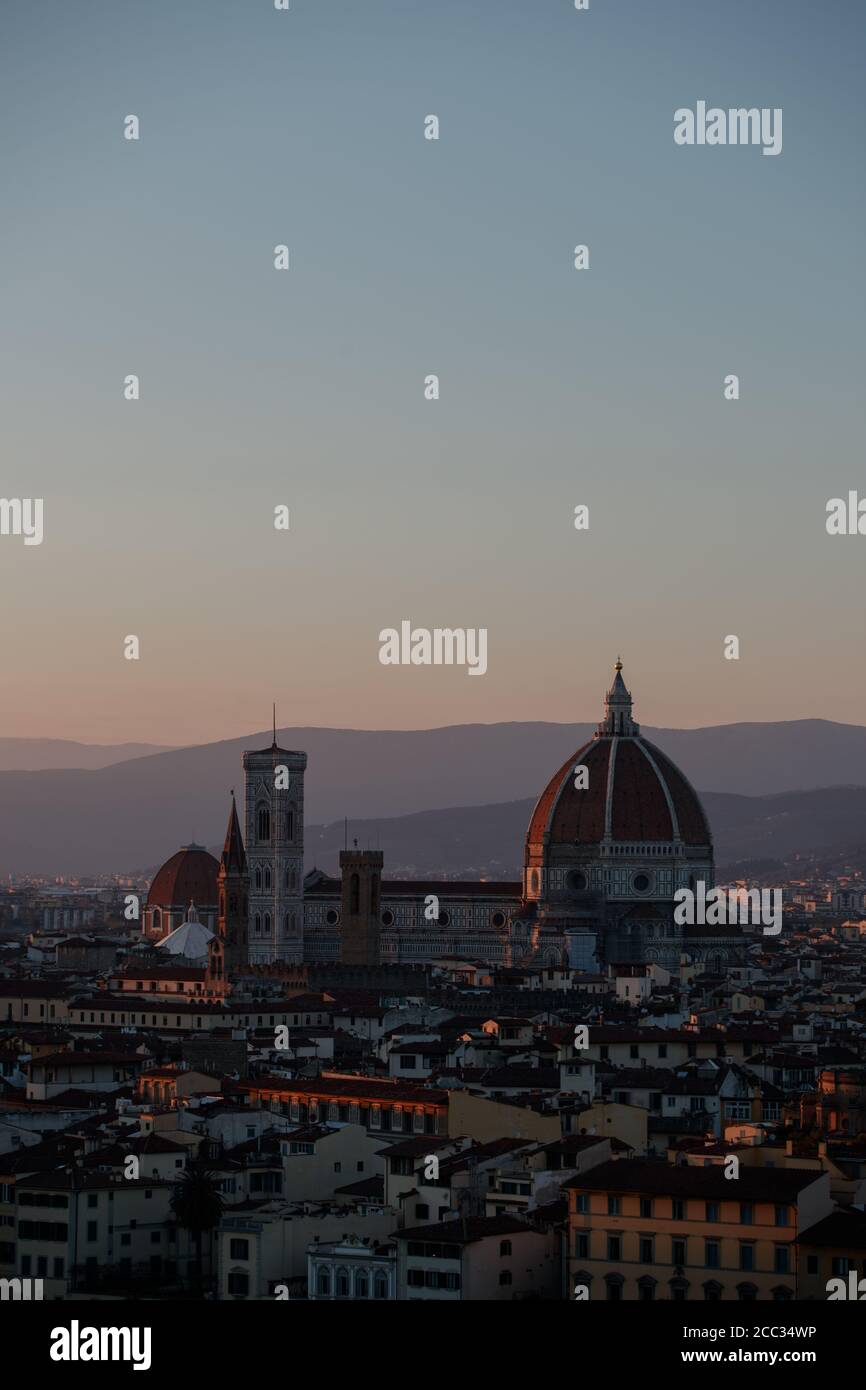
(345, 832)
(275, 723)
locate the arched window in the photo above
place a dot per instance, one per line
(505, 1278)
(258, 924)
(712, 1291)
(267, 924)
(504, 1247)
(380, 1284)
(362, 1284)
(533, 881)
(156, 921)
(263, 824)
(323, 1283)
(614, 1284)
(267, 880)
(342, 1283)
(354, 893)
(290, 825)
(287, 924)
(747, 1293)
(258, 878)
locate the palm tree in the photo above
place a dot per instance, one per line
(197, 1206)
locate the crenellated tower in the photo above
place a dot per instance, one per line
(361, 905)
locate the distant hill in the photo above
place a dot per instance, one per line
(136, 813)
(476, 841)
(37, 754)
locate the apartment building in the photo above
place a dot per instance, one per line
(494, 1258)
(320, 1159)
(639, 1229)
(266, 1244)
(834, 1249)
(73, 1226)
(382, 1107)
(59, 1072)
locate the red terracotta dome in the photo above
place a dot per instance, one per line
(634, 792)
(188, 876)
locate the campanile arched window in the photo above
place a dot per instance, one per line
(263, 825)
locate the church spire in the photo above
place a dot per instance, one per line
(234, 859)
(228, 952)
(617, 704)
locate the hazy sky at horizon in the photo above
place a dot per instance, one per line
(408, 257)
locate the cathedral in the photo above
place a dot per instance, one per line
(616, 831)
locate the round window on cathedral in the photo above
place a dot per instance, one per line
(498, 919)
(444, 919)
(332, 917)
(576, 881)
(641, 883)
(387, 918)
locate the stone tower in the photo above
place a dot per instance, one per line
(274, 793)
(359, 929)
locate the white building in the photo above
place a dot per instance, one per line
(356, 1268)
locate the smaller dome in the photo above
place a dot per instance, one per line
(188, 876)
(190, 940)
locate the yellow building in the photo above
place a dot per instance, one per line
(639, 1229)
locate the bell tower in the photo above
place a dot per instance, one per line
(274, 795)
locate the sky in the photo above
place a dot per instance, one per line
(305, 388)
